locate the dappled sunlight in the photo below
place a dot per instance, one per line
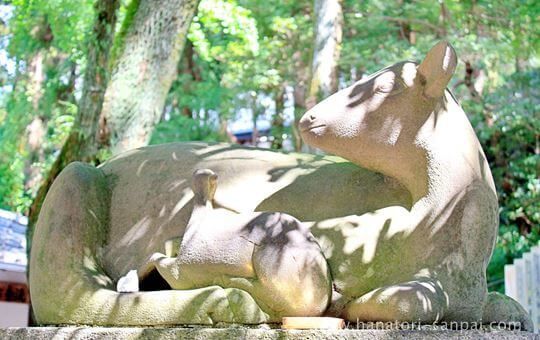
(373, 246)
(350, 192)
(139, 230)
(289, 174)
(284, 266)
(363, 221)
(126, 154)
(243, 184)
(186, 196)
(97, 219)
(208, 150)
(367, 240)
(141, 167)
(176, 184)
(408, 73)
(359, 247)
(198, 306)
(370, 243)
(418, 300)
(364, 231)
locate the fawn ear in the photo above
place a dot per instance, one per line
(437, 68)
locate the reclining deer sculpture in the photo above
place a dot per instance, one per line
(407, 228)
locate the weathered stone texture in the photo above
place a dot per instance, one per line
(91, 333)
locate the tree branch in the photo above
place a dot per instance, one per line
(436, 28)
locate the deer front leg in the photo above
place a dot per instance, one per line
(129, 283)
(420, 300)
(168, 268)
(150, 264)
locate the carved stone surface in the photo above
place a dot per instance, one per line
(407, 226)
(80, 333)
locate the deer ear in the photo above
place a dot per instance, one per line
(438, 68)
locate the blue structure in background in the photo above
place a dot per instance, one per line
(246, 136)
(12, 241)
(14, 295)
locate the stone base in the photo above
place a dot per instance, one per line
(251, 333)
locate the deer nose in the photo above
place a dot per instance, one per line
(307, 121)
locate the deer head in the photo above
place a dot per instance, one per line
(376, 122)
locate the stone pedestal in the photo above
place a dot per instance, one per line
(39, 333)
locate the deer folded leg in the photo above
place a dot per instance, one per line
(502, 309)
(421, 300)
(149, 265)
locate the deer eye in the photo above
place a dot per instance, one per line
(391, 87)
(385, 83)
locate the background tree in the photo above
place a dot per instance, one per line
(81, 144)
(147, 52)
(127, 106)
(327, 48)
(42, 45)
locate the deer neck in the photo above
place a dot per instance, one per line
(202, 202)
(437, 161)
(201, 209)
(411, 168)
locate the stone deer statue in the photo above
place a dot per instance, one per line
(407, 225)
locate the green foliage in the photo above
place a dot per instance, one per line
(494, 39)
(224, 38)
(181, 128)
(51, 34)
(12, 152)
(223, 31)
(237, 51)
(127, 13)
(511, 142)
(61, 24)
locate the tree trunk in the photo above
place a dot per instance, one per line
(254, 117)
(36, 129)
(190, 62)
(328, 33)
(324, 68)
(299, 109)
(81, 143)
(143, 72)
(278, 121)
(36, 75)
(405, 29)
(469, 80)
(443, 20)
(190, 68)
(95, 78)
